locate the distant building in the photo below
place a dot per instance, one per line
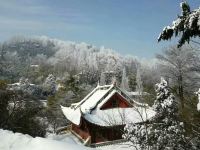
(34, 68)
(103, 113)
(135, 95)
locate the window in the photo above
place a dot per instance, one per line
(115, 103)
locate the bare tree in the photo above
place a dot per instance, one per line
(139, 87)
(181, 67)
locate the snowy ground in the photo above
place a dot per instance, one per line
(68, 138)
(121, 146)
(72, 139)
(18, 141)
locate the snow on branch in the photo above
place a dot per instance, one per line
(187, 25)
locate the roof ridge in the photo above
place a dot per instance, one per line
(91, 93)
(138, 103)
(105, 95)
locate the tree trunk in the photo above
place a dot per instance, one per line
(181, 95)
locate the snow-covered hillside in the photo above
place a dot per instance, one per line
(18, 141)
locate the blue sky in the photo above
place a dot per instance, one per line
(127, 26)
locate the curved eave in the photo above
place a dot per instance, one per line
(73, 115)
(118, 116)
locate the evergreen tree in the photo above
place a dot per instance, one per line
(102, 79)
(124, 83)
(139, 87)
(164, 131)
(186, 25)
(132, 82)
(50, 85)
(4, 97)
(19, 112)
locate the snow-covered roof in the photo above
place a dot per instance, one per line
(74, 115)
(89, 107)
(94, 97)
(119, 116)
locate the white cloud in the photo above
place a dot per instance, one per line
(25, 17)
(21, 7)
(16, 24)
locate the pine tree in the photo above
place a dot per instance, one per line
(4, 97)
(102, 79)
(50, 84)
(124, 83)
(164, 131)
(139, 87)
(132, 82)
(185, 8)
(186, 25)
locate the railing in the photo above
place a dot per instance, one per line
(83, 134)
(64, 129)
(85, 138)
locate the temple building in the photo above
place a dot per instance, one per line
(103, 113)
